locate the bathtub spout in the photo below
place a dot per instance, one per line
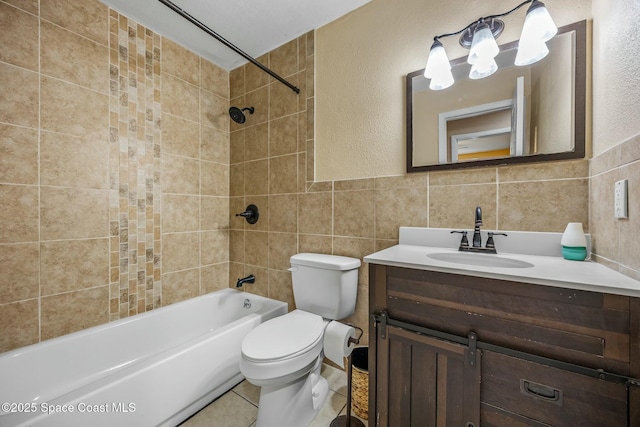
(249, 279)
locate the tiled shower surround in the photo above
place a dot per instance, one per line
(114, 170)
(121, 174)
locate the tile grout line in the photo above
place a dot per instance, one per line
(39, 178)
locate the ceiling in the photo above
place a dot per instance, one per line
(254, 26)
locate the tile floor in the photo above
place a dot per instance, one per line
(239, 406)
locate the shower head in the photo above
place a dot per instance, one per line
(237, 114)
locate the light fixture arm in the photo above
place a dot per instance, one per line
(480, 37)
(485, 18)
(511, 11)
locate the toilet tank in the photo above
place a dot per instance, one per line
(326, 285)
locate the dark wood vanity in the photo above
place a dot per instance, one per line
(457, 350)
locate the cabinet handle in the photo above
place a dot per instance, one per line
(541, 391)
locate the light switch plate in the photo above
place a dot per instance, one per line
(620, 199)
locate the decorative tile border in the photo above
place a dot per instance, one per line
(135, 167)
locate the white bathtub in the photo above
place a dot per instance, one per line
(156, 368)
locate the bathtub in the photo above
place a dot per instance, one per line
(155, 368)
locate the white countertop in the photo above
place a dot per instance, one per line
(547, 270)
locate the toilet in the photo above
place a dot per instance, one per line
(284, 355)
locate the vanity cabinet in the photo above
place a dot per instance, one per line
(517, 391)
(456, 350)
(424, 381)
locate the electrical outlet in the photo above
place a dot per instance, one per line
(621, 191)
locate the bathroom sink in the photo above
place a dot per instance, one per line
(483, 260)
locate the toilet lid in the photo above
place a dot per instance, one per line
(283, 336)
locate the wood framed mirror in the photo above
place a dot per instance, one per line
(517, 115)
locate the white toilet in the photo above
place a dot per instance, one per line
(284, 355)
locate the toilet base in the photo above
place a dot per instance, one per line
(295, 403)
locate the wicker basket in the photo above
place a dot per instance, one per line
(360, 382)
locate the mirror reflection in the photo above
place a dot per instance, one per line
(518, 114)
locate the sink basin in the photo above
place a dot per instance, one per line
(483, 260)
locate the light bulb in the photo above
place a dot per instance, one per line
(438, 68)
(538, 23)
(437, 60)
(483, 44)
(442, 80)
(530, 51)
(483, 68)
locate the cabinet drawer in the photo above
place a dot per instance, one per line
(581, 327)
(549, 395)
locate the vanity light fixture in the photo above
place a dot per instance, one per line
(480, 37)
(438, 68)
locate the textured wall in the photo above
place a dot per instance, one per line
(616, 133)
(362, 60)
(616, 72)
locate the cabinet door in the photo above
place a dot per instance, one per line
(426, 382)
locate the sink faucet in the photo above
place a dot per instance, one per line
(476, 245)
(477, 239)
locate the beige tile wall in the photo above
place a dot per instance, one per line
(120, 177)
(272, 167)
(195, 168)
(268, 165)
(54, 230)
(114, 170)
(616, 242)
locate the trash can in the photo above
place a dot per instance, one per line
(360, 382)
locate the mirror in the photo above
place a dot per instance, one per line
(517, 115)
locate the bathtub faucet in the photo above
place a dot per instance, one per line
(249, 279)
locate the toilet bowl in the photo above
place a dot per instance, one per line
(282, 347)
(284, 355)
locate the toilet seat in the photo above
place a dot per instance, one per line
(283, 349)
(283, 337)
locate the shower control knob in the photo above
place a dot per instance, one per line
(251, 214)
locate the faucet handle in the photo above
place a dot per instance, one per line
(490, 244)
(464, 243)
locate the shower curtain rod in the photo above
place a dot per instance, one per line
(226, 42)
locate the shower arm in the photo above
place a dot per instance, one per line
(226, 42)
